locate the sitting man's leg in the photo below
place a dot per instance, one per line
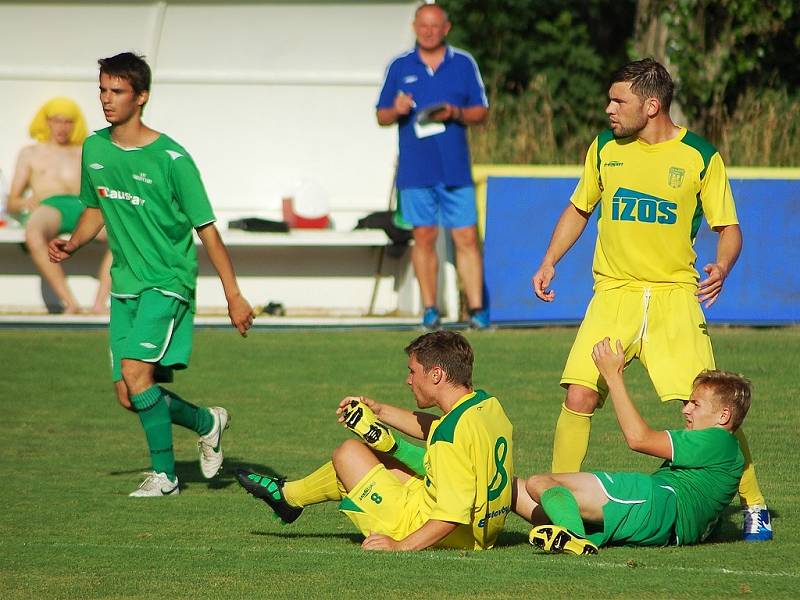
(43, 226)
(100, 306)
(352, 461)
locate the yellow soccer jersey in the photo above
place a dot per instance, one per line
(652, 199)
(468, 471)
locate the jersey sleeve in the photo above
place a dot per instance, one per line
(476, 92)
(389, 88)
(716, 195)
(190, 193)
(455, 484)
(702, 448)
(587, 192)
(87, 195)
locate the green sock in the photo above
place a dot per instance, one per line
(410, 455)
(154, 415)
(186, 414)
(562, 509)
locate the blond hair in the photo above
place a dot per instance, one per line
(729, 389)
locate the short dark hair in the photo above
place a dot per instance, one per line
(648, 79)
(729, 389)
(128, 66)
(448, 350)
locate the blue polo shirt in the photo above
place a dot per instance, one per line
(442, 158)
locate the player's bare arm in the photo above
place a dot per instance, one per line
(431, 532)
(414, 424)
(20, 182)
(638, 434)
(239, 309)
(89, 225)
(729, 246)
(569, 228)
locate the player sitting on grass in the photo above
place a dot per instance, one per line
(454, 493)
(678, 504)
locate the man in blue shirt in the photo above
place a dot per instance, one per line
(433, 93)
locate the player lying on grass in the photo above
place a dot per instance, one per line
(455, 492)
(678, 504)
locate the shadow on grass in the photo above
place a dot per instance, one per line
(188, 472)
(511, 538)
(355, 538)
(729, 528)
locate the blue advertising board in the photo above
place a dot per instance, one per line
(521, 212)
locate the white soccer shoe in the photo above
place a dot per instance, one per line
(210, 444)
(155, 485)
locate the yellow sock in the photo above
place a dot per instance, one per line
(749, 490)
(571, 440)
(320, 486)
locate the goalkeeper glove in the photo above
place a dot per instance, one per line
(359, 418)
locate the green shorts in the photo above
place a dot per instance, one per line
(640, 511)
(153, 327)
(70, 208)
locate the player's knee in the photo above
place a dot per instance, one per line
(425, 236)
(536, 486)
(134, 374)
(465, 238)
(35, 238)
(581, 399)
(344, 452)
(122, 395)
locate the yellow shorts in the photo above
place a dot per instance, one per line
(663, 327)
(380, 503)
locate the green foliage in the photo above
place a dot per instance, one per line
(764, 130)
(71, 454)
(546, 66)
(542, 61)
(723, 50)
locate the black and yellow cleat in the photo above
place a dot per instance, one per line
(557, 540)
(270, 490)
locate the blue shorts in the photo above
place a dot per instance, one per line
(423, 207)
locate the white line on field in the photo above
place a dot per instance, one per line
(592, 563)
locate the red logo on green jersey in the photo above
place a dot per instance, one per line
(105, 192)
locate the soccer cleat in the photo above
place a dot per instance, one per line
(210, 444)
(757, 524)
(359, 418)
(479, 319)
(431, 319)
(555, 539)
(155, 485)
(270, 490)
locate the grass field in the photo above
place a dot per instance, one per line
(69, 457)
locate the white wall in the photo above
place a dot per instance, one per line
(262, 94)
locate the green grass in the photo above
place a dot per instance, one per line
(69, 456)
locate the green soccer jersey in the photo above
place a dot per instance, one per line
(151, 199)
(704, 473)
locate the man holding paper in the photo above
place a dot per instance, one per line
(433, 92)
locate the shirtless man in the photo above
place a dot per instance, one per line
(44, 194)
